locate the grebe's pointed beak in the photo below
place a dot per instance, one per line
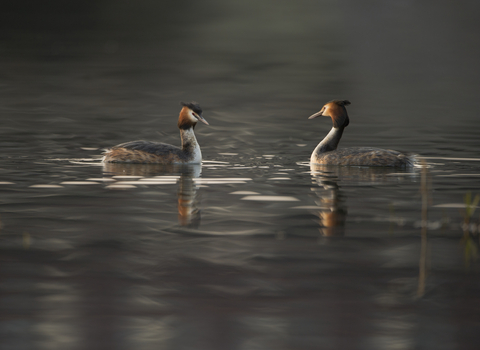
(199, 117)
(316, 115)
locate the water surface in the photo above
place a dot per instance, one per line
(254, 249)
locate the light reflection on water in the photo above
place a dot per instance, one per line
(200, 264)
(179, 255)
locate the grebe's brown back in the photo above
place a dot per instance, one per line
(162, 153)
(326, 152)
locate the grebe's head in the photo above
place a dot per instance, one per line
(190, 114)
(336, 110)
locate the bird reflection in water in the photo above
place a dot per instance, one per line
(188, 212)
(334, 211)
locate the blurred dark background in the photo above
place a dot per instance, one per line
(407, 67)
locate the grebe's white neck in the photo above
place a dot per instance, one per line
(336, 110)
(190, 114)
(329, 143)
(190, 145)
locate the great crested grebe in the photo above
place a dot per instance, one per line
(326, 152)
(162, 153)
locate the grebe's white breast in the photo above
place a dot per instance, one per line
(191, 148)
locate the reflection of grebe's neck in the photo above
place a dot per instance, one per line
(190, 144)
(188, 213)
(329, 143)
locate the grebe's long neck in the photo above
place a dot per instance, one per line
(190, 145)
(330, 142)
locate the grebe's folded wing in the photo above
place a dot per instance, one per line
(149, 147)
(366, 156)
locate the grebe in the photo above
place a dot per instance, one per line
(162, 153)
(326, 152)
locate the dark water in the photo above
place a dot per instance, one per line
(253, 249)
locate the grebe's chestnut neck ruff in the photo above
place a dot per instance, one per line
(162, 153)
(326, 152)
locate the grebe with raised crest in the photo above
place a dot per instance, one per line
(162, 153)
(326, 152)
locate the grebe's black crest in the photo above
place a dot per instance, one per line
(341, 102)
(194, 106)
